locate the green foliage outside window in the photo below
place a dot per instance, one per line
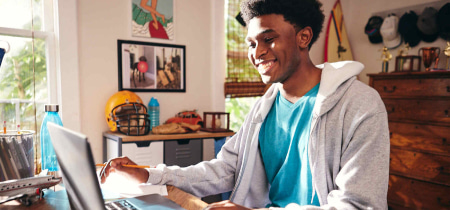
(238, 109)
(17, 83)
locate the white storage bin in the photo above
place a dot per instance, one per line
(151, 155)
(142, 153)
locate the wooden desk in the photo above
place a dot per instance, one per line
(58, 201)
(185, 199)
(159, 137)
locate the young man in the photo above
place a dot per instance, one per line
(318, 138)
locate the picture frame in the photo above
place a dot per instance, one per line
(153, 19)
(151, 67)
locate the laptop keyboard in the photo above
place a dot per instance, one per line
(120, 204)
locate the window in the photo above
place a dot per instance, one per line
(243, 85)
(242, 78)
(27, 26)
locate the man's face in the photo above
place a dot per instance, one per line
(273, 49)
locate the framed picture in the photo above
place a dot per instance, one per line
(153, 19)
(151, 67)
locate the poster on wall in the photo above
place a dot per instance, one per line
(153, 19)
(151, 67)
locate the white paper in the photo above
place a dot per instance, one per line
(118, 186)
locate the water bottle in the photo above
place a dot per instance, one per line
(153, 112)
(48, 155)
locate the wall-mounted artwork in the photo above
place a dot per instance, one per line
(151, 67)
(153, 18)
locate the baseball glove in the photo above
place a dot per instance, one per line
(174, 128)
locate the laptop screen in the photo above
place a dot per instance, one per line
(78, 169)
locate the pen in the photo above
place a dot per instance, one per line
(18, 129)
(4, 127)
(130, 166)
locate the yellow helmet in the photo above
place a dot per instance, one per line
(125, 113)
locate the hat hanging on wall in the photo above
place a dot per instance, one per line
(443, 22)
(427, 24)
(389, 32)
(407, 27)
(372, 29)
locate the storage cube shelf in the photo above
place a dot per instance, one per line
(173, 149)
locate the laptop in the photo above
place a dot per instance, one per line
(75, 159)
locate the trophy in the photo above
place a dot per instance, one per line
(405, 62)
(429, 54)
(385, 57)
(447, 53)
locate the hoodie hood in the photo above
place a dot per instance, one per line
(333, 76)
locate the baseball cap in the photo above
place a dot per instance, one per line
(372, 29)
(443, 22)
(389, 32)
(427, 24)
(407, 27)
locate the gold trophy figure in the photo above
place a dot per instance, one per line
(386, 56)
(404, 51)
(404, 63)
(447, 53)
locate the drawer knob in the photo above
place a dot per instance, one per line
(389, 91)
(446, 113)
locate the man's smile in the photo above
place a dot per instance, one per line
(265, 66)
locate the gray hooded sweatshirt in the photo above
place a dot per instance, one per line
(348, 150)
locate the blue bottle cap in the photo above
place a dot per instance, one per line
(153, 102)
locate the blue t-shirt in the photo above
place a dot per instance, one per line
(283, 141)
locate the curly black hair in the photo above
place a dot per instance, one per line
(300, 13)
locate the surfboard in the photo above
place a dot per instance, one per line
(157, 33)
(337, 46)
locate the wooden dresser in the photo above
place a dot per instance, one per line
(418, 106)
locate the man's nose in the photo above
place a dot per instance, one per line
(260, 50)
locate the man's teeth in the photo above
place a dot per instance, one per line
(266, 65)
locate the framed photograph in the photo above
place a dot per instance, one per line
(151, 67)
(153, 19)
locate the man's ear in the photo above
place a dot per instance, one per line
(304, 37)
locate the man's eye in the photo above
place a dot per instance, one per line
(268, 39)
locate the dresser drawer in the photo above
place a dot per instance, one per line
(183, 152)
(418, 110)
(417, 194)
(423, 166)
(420, 137)
(430, 87)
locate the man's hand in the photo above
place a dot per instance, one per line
(138, 175)
(226, 205)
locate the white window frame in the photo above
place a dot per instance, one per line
(47, 34)
(67, 73)
(60, 34)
